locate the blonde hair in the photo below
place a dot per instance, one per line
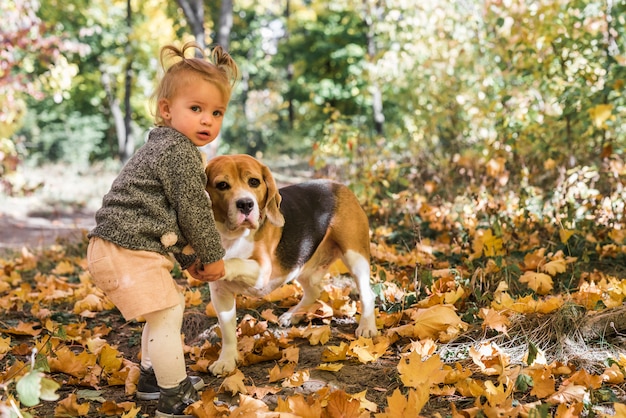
(219, 69)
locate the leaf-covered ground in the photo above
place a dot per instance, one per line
(484, 310)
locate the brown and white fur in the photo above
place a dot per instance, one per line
(273, 236)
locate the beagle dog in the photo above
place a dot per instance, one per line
(273, 236)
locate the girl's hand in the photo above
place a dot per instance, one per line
(209, 272)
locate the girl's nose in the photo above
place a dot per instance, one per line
(207, 119)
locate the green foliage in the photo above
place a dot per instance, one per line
(72, 137)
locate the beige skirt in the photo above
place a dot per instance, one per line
(137, 282)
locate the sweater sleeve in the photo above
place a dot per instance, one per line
(184, 181)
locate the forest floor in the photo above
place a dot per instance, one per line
(59, 211)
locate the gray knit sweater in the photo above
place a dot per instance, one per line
(158, 202)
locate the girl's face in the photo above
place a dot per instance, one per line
(196, 110)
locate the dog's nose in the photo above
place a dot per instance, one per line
(245, 205)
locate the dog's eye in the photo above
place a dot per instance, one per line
(254, 182)
(222, 185)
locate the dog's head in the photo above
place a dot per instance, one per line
(243, 193)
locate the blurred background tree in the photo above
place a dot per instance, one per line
(392, 94)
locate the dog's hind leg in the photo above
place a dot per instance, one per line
(224, 303)
(359, 266)
(311, 290)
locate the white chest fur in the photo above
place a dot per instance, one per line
(240, 247)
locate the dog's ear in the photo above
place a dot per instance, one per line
(272, 205)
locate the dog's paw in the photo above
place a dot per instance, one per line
(223, 367)
(288, 318)
(366, 330)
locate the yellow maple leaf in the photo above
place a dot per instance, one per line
(533, 260)
(92, 303)
(543, 382)
(299, 406)
(207, 407)
(437, 322)
(70, 407)
(497, 396)
(269, 316)
(469, 388)
(110, 359)
(76, 365)
(554, 267)
(317, 334)
(335, 353)
(291, 354)
(234, 383)
(583, 378)
(487, 244)
(416, 373)
(277, 373)
(329, 367)
(539, 282)
(496, 320)
(399, 406)
(570, 411)
(368, 350)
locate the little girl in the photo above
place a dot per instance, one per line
(158, 206)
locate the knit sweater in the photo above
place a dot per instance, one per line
(158, 202)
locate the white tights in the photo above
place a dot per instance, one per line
(162, 346)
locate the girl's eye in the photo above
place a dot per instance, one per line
(195, 108)
(217, 113)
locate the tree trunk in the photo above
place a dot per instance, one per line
(290, 71)
(377, 98)
(194, 12)
(127, 142)
(225, 24)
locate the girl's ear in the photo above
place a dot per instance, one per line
(164, 109)
(272, 205)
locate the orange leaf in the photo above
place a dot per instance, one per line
(66, 361)
(495, 320)
(277, 373)
(340, 404)
(399, 406)
(234, 383)
(543, 382)
(568, 394)
(335, 353)
(70, 407)
(23, 328)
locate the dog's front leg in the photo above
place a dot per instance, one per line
(224, 302)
